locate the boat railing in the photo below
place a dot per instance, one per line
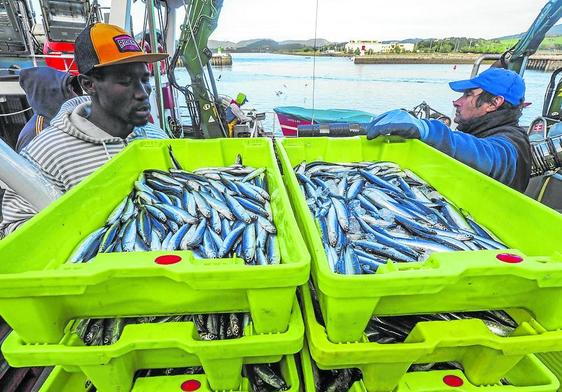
(270, 123)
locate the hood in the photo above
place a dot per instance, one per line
(46, 89)
(72, 119)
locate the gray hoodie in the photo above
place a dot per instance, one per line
(67, 152)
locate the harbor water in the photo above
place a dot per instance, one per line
(271, 80)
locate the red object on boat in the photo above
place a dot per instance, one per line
(54, 51)
(289, 124)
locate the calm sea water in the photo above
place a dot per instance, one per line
(271, 80)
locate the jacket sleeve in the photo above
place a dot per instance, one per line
(15, 212)
(238, 113)
(494, 156)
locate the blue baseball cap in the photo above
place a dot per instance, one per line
(496, 81)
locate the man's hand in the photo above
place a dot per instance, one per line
(399, 123)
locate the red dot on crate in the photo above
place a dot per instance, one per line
(190, 385)
(167, 259)
(453, 381)
(509, 258)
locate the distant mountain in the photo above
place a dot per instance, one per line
(308, 43)
(405, 41)
(554, 31)
(213, 44)
(250, 42)
(264, 45)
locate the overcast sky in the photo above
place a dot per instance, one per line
(343, 20)
(340, 20)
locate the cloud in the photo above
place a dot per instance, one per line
(376, 19)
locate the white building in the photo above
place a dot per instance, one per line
(377, 47)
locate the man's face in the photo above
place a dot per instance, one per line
(123, 93)
(466, 108)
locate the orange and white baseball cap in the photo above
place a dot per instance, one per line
(102, 44)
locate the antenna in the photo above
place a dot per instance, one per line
(314, 62)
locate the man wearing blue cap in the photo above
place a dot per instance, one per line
(487, 114)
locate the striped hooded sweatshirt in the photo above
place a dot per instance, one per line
(68, 151)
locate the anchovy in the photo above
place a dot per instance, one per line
(368, 212)
(88, 248)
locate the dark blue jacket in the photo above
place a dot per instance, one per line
(46, 89)
(493, 144)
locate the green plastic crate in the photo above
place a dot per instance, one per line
(63, 381)
(159, 346)
(529, 375)
(554, 363)
(308, 380)
(452, 281)
(40, 294)
(486, 357)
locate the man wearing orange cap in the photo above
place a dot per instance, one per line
(88, 131)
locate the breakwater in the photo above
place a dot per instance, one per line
(547, 63)
(413, 58)
(539, 62)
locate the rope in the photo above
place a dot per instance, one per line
(14, 113)
(314, 63)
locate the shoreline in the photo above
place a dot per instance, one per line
(540, 61)
(403, 58)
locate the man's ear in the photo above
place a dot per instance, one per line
(497, 101)
(88, 84)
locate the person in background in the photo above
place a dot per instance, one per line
(46, 89)
(490, 138)
(88, 131)
(234, 114)
(147, 47)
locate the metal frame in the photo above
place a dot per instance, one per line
(64, 20)
(15, 40)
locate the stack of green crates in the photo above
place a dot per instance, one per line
(530, 291)
(41, 295)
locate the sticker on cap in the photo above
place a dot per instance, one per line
(126, 43)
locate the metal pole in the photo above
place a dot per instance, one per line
(479, 61)
(156, 66)
(213, 83)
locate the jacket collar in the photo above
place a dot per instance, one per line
(491, 120)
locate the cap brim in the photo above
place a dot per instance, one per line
(140, 58)
(462, 85)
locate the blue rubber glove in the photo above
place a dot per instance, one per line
(399, 123)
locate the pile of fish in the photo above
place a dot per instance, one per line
(371, 212)
(263, 377)
(395, 329)
(215, 212)
(339, 380)
(218, 326)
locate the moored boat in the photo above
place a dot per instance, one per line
(291, 117)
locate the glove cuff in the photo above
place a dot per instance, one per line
(424, 129)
